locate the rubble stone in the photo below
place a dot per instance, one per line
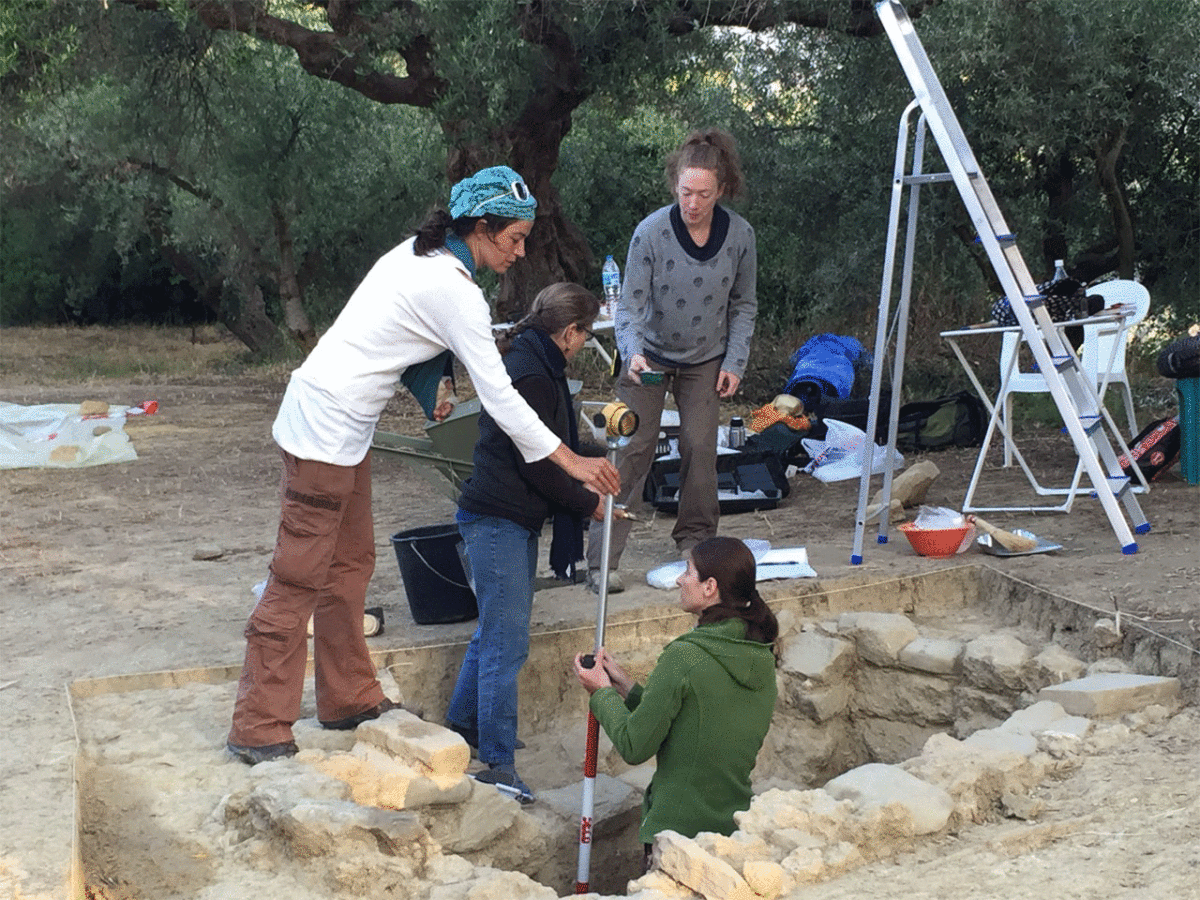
(686, 862)
(875, 785)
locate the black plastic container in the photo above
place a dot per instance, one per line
(437, 587)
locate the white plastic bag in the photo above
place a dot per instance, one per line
(839, 456)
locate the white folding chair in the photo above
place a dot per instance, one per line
(1014, 381)
(1103, 353)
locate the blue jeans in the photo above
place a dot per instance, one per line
(485, 696)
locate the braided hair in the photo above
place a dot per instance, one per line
(553, 309)
(731, 564)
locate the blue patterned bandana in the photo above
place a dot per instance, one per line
(497, 190)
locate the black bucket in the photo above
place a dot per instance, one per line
(437, 588)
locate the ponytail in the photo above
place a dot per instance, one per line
(713, 149)
(431, 234)
(731, 564)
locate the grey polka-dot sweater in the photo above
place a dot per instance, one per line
(682, 304)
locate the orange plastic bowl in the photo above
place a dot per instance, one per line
(939, 543)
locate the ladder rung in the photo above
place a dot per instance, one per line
(1062, 363)
(931, 178)
(1035, 300)
(1090, 424)
(1119, 484)
(1006, 239)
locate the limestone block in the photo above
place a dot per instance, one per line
(877, 785)
(1019, 806)
(878, 636)
(400, 733)
(377, 779)
(812, 812)
(655, 885)
(905, 696)
(737, 849)
(1054, 664)
(804, 864)
(449, 868)
(1004, 741)
(309, 734)
(1151, 715)
(499, 885)
(934, 655)
(343, 828)
(611, 798)
(996, 662)
(766, 878)
(1109, 664)
(815, 656)
(473, 824)
(1059, 745)
(1034, 718)
(841, 858)
(816, 701)
(684, 860)
(1112, 693)
(974, 776)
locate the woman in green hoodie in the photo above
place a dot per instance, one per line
(706, 707)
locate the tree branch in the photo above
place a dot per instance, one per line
(341, 55)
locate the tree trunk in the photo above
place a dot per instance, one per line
(251, 324)
(295, 319)
(1107, 155)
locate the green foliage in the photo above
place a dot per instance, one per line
(125, 127)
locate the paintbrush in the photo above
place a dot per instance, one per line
(1014, 543)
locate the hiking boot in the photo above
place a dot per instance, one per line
(615, 584)
(351, 722)
(252, 756)
(504, 776)
(471, 736)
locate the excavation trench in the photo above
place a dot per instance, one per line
(162, 812)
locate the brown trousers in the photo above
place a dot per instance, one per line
(695, 392)
(324, 558)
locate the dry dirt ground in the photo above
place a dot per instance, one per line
(99, 576)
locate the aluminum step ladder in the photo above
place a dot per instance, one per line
(1081, 409)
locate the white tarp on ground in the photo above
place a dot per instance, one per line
(59, 435)
(783, 562)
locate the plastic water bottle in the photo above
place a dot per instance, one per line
(1060, 272)
(610, 277)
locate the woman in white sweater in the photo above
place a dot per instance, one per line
(419, 301)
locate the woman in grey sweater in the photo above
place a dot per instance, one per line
(687, 310)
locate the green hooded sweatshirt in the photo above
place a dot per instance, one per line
(704, 711)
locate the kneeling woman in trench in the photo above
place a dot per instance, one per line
(706, 707)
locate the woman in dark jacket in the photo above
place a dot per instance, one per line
(500, 515)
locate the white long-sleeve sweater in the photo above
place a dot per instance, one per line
(407, 310)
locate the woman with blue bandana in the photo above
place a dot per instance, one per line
(418, 301)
